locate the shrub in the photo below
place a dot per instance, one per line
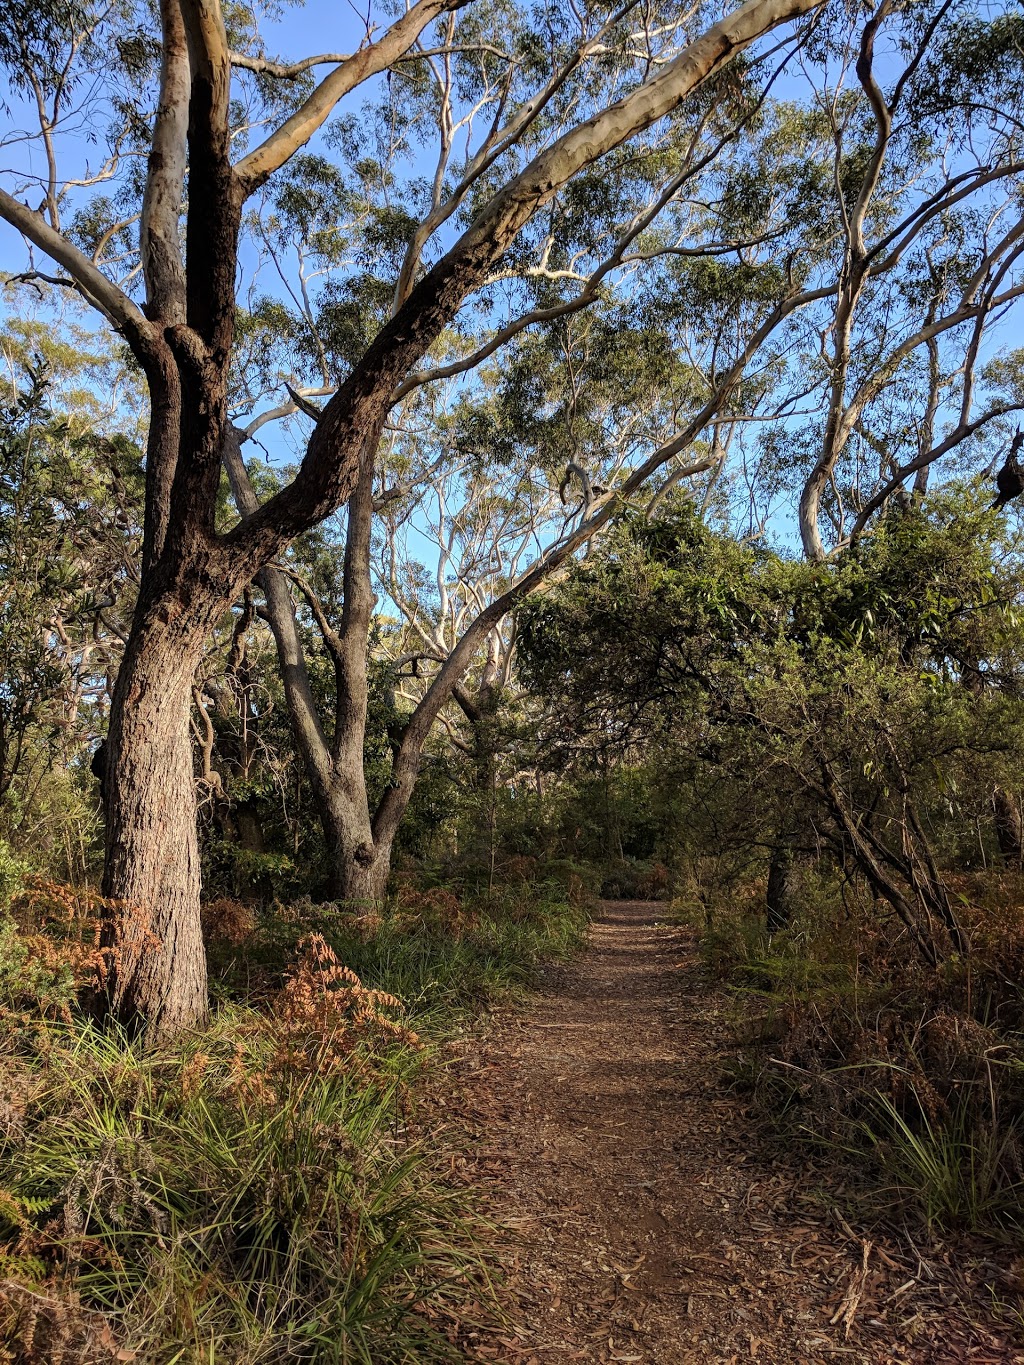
(227, 921)
(636, 879)
(916, 1073)
(249, 1195)
(13, 871)
(441, 952)
(962, 1169)
(50, 951)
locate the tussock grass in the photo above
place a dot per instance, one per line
(252, 1194)
(913, 1075)
(442, 953)
(214, 1204)
(959, 1170)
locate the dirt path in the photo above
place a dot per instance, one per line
(645, 1220)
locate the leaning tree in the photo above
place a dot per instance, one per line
(846, 257)
(179, 325)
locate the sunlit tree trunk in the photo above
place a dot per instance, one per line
(152, 848)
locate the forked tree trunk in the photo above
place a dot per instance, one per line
(358, 859)
(158, 977)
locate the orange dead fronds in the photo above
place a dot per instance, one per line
(73, 930)
(228, 921)
(45, 1328)
(435, 908)
(325, 1008)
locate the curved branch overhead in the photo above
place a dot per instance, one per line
(323, 480)
(698, 270)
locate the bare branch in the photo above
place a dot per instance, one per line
(296, 131)
(102, 293)
(290, 408)
(263, 66)
(927, 457)
(356, 413)
(161, 204)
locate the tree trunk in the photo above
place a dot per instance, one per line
(158, 974)
(1007, 822)
(351, 852)
(779, 894)
(357, 869)
(361, 874)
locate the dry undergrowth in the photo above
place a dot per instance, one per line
(649, 1218)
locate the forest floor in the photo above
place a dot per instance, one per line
(646, 1213)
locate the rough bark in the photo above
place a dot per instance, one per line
(359, 867)
(779, 892)
(158, 979)
(1008, 826)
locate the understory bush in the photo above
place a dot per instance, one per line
(251, 1194)
(442, 949)
(913, 1074)
(640, 879)
(12, 871)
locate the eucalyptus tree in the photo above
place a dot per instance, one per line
(655, 307)
(925, 110)
(487, 488)
(175, 305)
(479, 524)
(596, 245)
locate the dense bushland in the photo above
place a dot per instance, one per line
(827, 762)
(252, 1192)
(564, 326)
(908, 1078)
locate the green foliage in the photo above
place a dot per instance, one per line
(253, 1192)
(31, 978)
(640, 879)
(848, 726)
(441, 951)
(69, 498)
(875, 699)
(12, 873)
(962, 1172)
(208, 1212)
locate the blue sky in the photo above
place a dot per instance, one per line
(299, 31)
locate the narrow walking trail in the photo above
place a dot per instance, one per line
(644, 1217)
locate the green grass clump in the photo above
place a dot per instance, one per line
(442, 953)
(252, 1193)
(211, 1205)
(496, 952)
(960, 1169)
